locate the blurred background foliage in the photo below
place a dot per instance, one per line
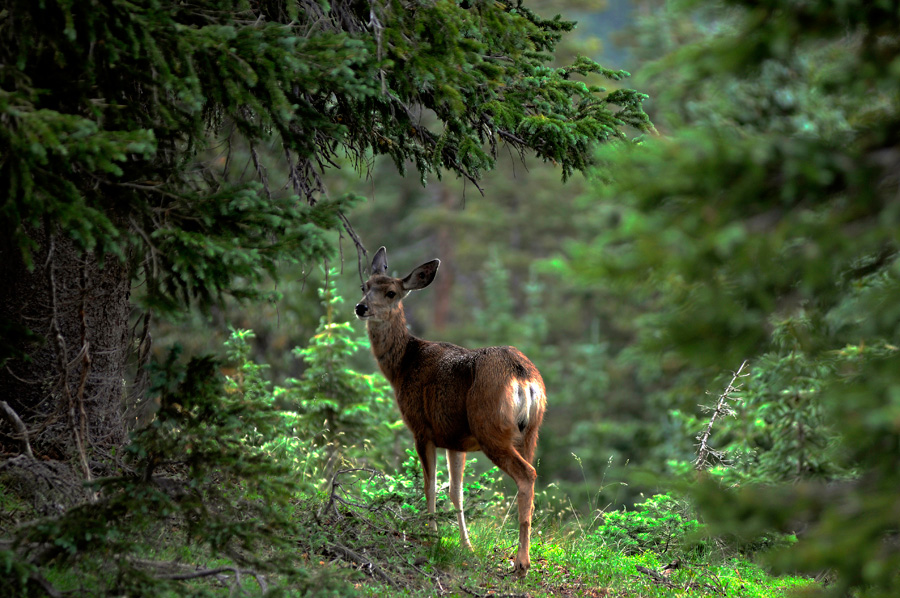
(759, 223)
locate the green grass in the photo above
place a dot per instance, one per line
(373, 541)
(397, 557)
(565, 562)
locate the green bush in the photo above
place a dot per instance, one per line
(661, 524)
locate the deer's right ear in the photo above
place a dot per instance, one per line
(379, 262)
(422, 276)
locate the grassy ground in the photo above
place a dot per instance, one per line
(351, 557)
(376, 545)
(566, 563)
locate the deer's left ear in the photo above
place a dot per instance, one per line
(421, 277)
(379, 262)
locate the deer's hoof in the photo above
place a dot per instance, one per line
(521, 568)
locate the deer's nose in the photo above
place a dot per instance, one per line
(361, 309)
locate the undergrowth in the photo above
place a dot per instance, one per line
(211, 500)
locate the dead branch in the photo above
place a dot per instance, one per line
(472, 592)
(704, 450)
(164, 570)
(361, 254)
(50, 487)
(59, 344)
(335, 496)
(85, 355)
(363, 562)
(134, 416)
(45, 585)
(16, 422)
(662, 580)
(261, 171)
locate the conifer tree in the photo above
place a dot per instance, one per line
(347, 412)
(135, 146)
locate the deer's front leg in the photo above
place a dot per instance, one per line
(426, 452)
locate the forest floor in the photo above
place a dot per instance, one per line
(378, 545)
(564, 564)
(346, 554)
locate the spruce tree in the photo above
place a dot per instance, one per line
(347, 414)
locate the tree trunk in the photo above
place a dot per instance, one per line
(69, 390)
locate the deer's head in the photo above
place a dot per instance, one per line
(382, 293)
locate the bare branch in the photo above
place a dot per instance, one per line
(365, 563)
(59, 345)
(361, 253)
(704, 450)
(490, 593)
(85, 354)
(16, 422)
(261, 171)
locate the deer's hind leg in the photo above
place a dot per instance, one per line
(508, 459)
(530, 438)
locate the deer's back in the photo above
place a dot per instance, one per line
(443, 387)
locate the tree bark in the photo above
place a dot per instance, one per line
(69, 391)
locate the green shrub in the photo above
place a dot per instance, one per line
(661, 524)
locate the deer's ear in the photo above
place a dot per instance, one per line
(379, 262)
(422, 276)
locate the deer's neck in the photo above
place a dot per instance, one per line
(389, 339)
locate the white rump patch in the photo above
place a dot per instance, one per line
(526, 397)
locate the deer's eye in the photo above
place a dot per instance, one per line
(391, 294)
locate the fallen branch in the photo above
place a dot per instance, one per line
(491, 595)
(16, 422)
(186, 573)
(656, 576)
(45, 585)
(662, 580)
(364, 563)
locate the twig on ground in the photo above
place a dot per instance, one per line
(472, 592)
(46, 586)
(661, 579)
(365, 563)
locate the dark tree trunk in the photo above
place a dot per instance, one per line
(70, 390)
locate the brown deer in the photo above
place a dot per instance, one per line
(491, 399)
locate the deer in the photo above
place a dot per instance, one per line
(462, 400)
